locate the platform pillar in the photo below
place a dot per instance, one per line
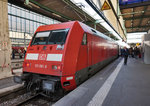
(146, 48)
(5, 43)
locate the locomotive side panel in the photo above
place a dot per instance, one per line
(97, 47)
(70, 57)
(84, 59)
(95, 54)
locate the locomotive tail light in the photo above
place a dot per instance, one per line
(27, 64)
(58, 67)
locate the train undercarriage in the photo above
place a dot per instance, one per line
(40, 83)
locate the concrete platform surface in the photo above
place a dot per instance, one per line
(7, 85)
(7, 82)
(10, 89)
(115, 85)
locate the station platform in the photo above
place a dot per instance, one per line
(115, 85)
(8, 85)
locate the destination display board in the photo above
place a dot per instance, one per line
(126, 2)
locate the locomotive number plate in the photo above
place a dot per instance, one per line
(40, 66)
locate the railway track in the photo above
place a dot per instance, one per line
(35, 100)
(9, 98)
(23, 98)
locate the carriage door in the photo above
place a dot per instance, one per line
(84, 51)
(83, 54)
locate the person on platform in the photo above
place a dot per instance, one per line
(20, 53)
(24, 52)
(137, 52)
(131, 52)
(13, 54)
(121, 52)
(125, 55)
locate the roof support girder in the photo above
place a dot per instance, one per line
(50, 10)
(145, 8)
(130, 18)
(148, 26)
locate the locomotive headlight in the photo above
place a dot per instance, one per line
(56, 67)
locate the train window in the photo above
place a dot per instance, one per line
(84, 40)
(93, 30)
(58, 36)
(40, 38)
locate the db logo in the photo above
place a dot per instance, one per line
(42, 57)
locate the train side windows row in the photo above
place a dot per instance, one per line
(84, 40)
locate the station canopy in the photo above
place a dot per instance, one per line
(136, 14)
(61, 10)
(67, 10)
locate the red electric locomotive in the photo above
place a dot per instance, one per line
(64, 55)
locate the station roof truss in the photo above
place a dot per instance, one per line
(61, 10)
(136, 16)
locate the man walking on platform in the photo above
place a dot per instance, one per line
(125, 54)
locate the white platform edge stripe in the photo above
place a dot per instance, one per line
(54, 57)
(100, 96)
(32, 56)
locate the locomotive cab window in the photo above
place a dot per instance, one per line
(40, 38)
(58, 36)
(84, 40)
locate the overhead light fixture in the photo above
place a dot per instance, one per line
(33, 5)
(56, 15)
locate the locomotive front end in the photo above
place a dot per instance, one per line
(43, 63)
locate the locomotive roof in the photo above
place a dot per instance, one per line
(70, 24)
(95, 32)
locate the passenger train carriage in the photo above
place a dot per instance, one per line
(64, 55)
